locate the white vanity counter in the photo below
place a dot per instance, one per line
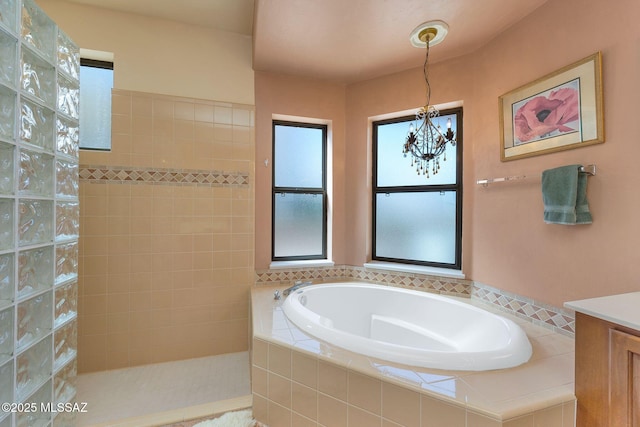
(622, 309)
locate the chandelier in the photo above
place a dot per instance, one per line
(426, 142)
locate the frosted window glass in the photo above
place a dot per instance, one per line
(298, 157)
(298, 227)
(394, 169)
(416, 226)
(95, 107)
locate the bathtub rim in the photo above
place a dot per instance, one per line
(262, 300)
(519, 352)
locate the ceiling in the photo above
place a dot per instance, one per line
(340, 40)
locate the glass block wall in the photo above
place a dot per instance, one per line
(39, 211)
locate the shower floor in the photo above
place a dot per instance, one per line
(164, 389)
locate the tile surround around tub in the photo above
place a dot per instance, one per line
(555, 318)
(300, 381)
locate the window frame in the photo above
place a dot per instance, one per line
(106, 65)
(457, 187)
(299, 190)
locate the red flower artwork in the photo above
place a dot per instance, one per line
(543, 115)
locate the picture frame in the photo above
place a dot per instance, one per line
(560, 111)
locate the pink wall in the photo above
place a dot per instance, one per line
(299, 97)
(506, 244)
(512, 248)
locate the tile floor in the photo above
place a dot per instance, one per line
(150, 389)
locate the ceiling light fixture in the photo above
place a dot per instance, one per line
(425, 140)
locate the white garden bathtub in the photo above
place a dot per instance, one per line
(409, 327)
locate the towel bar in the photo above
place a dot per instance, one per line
(589, 170)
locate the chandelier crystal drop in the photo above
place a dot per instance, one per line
(427, 142)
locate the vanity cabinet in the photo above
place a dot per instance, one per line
(607, 371)
(624, 382)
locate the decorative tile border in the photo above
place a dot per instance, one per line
(557, 319)
(422, 282)
(131, 175)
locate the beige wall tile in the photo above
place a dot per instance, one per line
(184, 111)
(359, 417)
(95, 349)
(400, 405)
(140, 319)
(332, 380)
(119, 226)
(92, 324)
(223, 114)
(139, 357)
(140, 263)
(121, 103)
(436, 413)
(203, 132)
(304, 369)
(331, 412)
(120, 123)
(260, 408)
(184, 131)
(141, 106)
(550, 417)
(117, 303)
(122, 143)
(259, 381)
(280, 360)
(141, 125)
(93, 285)
(365, 392)
(145, 248)
(525, 421)
(118, 359)
(118, 322)
(298, 420)
(279, 390)
(477, 420)
(203, 113)
(161, 299)
(279, 416)
(142, 145)
(94, 265)
(162, 109)
(304, 400)
(95, 304)
(118, 264)
(93, 245)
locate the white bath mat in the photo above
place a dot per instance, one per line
(231, 419)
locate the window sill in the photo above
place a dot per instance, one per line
(301, 264)
(407, 268)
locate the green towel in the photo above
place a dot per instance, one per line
(564, 193)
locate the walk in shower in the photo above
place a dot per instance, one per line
(39, 211)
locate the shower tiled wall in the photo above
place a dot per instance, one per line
(39, 91)
(166, 246)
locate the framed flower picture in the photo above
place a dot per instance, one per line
(559, 111)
